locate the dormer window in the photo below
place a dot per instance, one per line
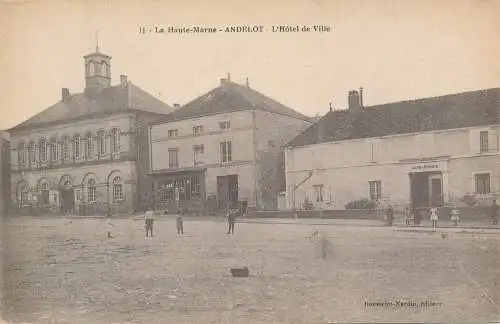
(225, 124)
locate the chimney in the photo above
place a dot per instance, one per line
(229, 77)
(123, 81)
(223, 84)
(176, 105)
(331, 108)
(361, 97)
(353, 100)
(65, 94)
(247, 83)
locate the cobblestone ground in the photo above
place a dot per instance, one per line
(61, 271)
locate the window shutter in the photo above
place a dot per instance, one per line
(474, 140)
(492, 141)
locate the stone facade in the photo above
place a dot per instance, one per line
(197, 148)
(453, 157)
(87, 154)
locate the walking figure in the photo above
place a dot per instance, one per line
(149, 217)
(455, 216)
(231, 221)
(494, 212)
(434, 217)
(179, 222)
(389, 214)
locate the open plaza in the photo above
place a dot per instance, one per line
(67, 270)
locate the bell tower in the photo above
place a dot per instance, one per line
(97, 70)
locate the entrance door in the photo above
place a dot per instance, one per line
(419, 183)
(436, 194)
(227, 191)
(426, 189)
(67, 200)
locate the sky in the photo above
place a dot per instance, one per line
(395, 50)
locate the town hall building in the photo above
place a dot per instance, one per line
(86, 154)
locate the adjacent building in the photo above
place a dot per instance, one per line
(4, 172)
(223, 149)
(428, 152)
(87, 153)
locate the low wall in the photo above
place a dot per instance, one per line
(324, 214)
(468, 214)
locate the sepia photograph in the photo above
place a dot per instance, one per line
(295, 162)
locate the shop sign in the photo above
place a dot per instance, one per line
(425, 167)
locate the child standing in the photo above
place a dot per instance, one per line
(434, 217)
(179, 222)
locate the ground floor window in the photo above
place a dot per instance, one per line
(187, 188)
(117, 189)
(375, 189)
(91, 191)
(482, 181)
(318, 193)
(195, 188)
(24, 197)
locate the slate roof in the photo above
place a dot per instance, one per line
(467, 109)
(109, 100)
(230, 97)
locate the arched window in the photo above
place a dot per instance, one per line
(117, 189)
(115, 140)
(104, 68)
(21, 153)
(91, 68)
(65, 148)
(101, 144)
(90, 145)
(43, 150)
(91, 196)
(44, 193)
(76, 147)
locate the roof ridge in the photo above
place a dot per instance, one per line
(242, 88)
(417, 100)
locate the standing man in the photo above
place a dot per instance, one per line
(389, 215)
(494, 212)
(180, 224)
(149, 217)
(231, 220)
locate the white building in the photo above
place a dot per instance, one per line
(223, 148)
(430, 151)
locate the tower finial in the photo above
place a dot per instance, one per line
(97, 41)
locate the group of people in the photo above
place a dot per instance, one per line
(149, 217)
(416, 216)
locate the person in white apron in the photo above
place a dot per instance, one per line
(434, 217)
(455, 216)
